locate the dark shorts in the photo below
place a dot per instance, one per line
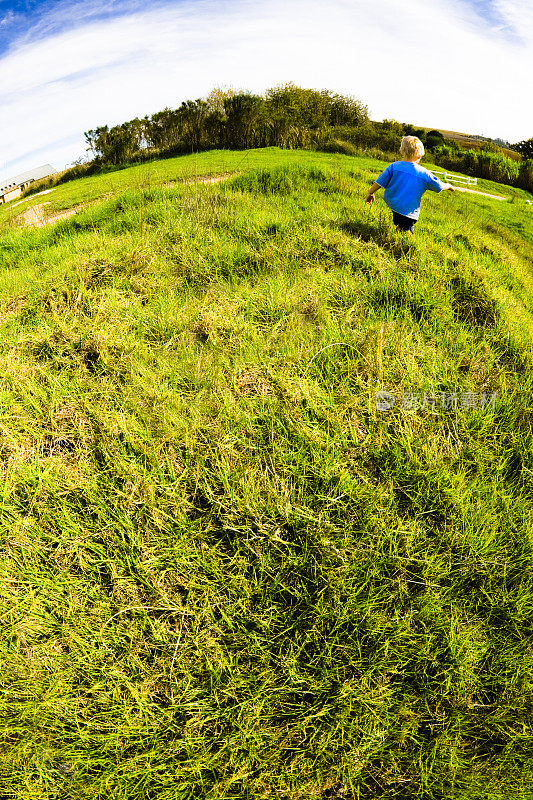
(404, 223)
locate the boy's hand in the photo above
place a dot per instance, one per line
(370, 196)
(450, 187)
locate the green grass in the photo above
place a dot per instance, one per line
(224, 573)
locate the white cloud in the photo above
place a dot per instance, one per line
(518, 14)
(7, 19)
(426, 63)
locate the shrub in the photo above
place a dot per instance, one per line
(338, 146)
(525, 176)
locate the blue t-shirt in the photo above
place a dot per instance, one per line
(405, 182)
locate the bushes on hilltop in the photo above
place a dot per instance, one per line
(525, 148)
(434, 139)
(287, 116)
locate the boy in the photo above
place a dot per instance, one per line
(405, 182)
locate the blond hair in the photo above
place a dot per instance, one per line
(411, 147)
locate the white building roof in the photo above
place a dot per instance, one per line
(31, 175)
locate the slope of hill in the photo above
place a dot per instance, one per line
(469, 140)
(226, 571)
(465, 138)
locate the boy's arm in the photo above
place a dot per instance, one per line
(370, 196)
(438, 186)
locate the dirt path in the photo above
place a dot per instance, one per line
(209, 178)
(35, 216)
(46, 191)
(200, 179)
(473, 191)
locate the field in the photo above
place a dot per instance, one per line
(468, 140)
(463, 138)
(226, 572)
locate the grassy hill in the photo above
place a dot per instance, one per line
(225, 573)
(474, 141)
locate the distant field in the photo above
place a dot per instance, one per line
(468, 139)
(456, 134)
(225, 571)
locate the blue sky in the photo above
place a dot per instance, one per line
(489, 14)
(69, 66)
(28, 20)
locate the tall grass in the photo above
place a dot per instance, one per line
(224, 572)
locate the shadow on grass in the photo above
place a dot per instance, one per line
(390, 298)
(471, 303)
(400, 245)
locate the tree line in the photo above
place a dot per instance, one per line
(286, 116)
